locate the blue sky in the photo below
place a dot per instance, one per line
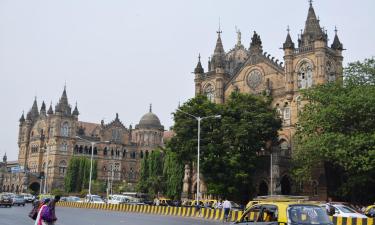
(120, 56)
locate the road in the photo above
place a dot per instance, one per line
(74, 216)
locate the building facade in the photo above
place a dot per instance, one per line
(312, 61)
(48, 139)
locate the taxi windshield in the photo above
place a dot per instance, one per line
(307, 214)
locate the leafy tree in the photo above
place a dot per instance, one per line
(337, 127)
(78, 174)
(173, 174)
(142, 185)
(228, 145)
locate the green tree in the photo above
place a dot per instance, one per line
(337, 128)
(142, 185)
(77, 176)
(173, 174)
(155, 171)
(229, 145)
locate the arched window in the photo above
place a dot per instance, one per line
(105, 151)
(284, 147)
(95, 151)
(65, 129)
(141, 154)
(209, 91)
(64, 146)
(305, 75)
(62, 167)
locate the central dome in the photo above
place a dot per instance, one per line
(149, 120)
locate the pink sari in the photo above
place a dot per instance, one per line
(39, 220)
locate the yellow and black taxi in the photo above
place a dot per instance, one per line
(284, 213)
(370, 211)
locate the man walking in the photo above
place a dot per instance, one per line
(227, 206)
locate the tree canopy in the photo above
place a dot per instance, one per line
(229, 145)
(337, 127)
(78, 174)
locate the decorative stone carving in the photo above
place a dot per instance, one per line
(254, 79)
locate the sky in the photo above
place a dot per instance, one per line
(118, 56)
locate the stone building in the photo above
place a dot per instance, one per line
(252, 70)
(48, 139)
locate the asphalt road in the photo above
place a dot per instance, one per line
(73, 216)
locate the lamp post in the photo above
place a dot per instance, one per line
(199, 119)
(46, 173)
(92, 156)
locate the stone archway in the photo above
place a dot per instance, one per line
(286, 187)
(263, 188)
(35, 187)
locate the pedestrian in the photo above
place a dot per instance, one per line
(227, 206)
(219, 205)
(52, 205)
(40, 207)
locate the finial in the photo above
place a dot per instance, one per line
(199, 57)
(65, 85)
(150, 107)
(335, 30)
(219, 31)
(116, 115)
(287, 29)
(310, 1)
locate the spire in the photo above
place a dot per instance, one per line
(63, 105)
(22, 119)
(219, 49)
(150, 107)
(43, 109)
(337, 45)
(256, 44)
(312, 30)
(199, 69)
(34, 112)
(288, 44)
(50, 110)
(75, 111)
(218, 58)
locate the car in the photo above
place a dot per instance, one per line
(28, 197)
(73, 199)
(284, 212)
(370, 211)
(342, 210)
(19, 200)
(94, 199)
(6, 200)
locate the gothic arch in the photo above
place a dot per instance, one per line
(286, 185)
(209, 90)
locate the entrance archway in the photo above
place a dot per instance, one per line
(263, 188)
(285, 185)
(35, 187)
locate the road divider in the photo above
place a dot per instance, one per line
(210, 214)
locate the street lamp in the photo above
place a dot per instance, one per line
(93, 143)
(199, 119)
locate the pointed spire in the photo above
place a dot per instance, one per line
(75, 111)
(43, 109)
(199, 69)
(63, 105)
(150, 107)
(50, 110)
(312, 30)
(34, 112)
(337, 45)
(22, 119)
(219, 49)
(288, 44)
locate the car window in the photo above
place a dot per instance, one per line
(345, 209)
(251, 214)
(307, 214)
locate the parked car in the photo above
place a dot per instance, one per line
(73, 199)
(6, 200)
(94, 199)
(28, 197)
(19, 200)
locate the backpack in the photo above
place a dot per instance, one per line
(47, 214)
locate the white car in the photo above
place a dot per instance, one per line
(345, 211)
(94, 199)
(117, 199)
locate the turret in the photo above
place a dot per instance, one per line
(5, 158)
(43, 109)
(50, 110)
(256, 44)
(75, 111)
(288, 47)
(63, 106)
(337, 45)
(34, 112)
(198, 71)
(312, 32)
(218, 58)
(22, 119)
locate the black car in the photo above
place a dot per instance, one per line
(6, 200)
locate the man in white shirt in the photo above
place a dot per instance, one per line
(227, 206)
